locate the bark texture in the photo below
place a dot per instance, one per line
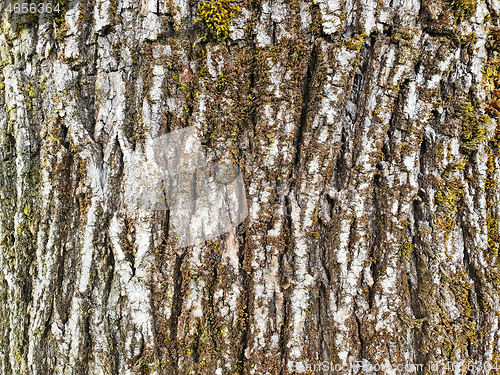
(366, 133)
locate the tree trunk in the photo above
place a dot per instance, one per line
(366, 136)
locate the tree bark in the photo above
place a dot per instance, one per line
(366, 134)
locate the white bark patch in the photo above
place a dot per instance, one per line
(237, 26)
(230, 252)
(135, 288)
(102, 14)
(331, 14)
(87, 249)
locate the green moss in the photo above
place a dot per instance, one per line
(491, 74)
(316, 21)
(147, 82)
(493, 41)
(493, 238)
(221, 83)
(492, 70)
(468, 39)
(405, 249)
(59, 15)
(447, 198)
(449, 193)
(357, 42)
(400, 34)
(491, 222)
(114, 8)
(463, 9)
(461, 290)
(472, 131)
(217, 15)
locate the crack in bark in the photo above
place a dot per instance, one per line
(176, 303)
(306, 98)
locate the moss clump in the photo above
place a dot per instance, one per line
(449, 192)
(472, 132)
(316, 21)
(448, 196)
(494, 104)
(493, 40)
(462, 332)
(217, 15)
(492, 76)
(463, 9)
(60, 14)
(221, 83)
(491, 222)
(400, 34)
(357, 42)
(492, 70)
(405, 249)
(493, 238)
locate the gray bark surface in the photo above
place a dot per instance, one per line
(367, 137)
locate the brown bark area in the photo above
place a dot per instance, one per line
(366, 133)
